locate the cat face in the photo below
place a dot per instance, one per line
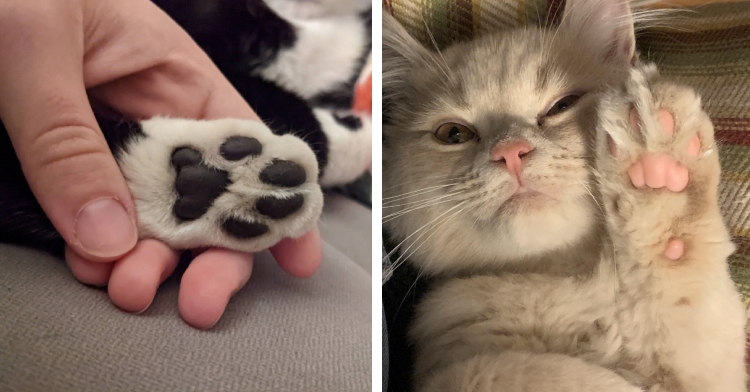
(489, 147)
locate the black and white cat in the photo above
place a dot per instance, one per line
(257, 184)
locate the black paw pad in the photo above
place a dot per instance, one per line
(242, 229)
(348, 121)
(283, 173)
(185, 156)
(238, 147)
(197, 185)
(275, 208)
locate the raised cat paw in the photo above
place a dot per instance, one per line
(658, 157)
(227, 183)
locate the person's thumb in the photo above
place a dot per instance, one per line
(64, 156)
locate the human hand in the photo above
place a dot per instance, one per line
(133, 58)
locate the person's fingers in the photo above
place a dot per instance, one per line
(208, 284)
(87, 271)
(299, 257)
(182, 87)
(64, 156)
(168, 75)
(136, 277)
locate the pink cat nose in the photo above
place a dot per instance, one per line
(511, 154)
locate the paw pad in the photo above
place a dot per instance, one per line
(675, 249)
(244, 230)
(197, 184)
(276, 208)
(226, 183)
(659, 170)
(283, 173)
(238, 147)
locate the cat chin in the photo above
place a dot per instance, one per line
(515, 240)
(537, 231)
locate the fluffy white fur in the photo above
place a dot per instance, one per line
(146, 165)
(310, 9)
(567, 289)
(327, 54)
(350, 151)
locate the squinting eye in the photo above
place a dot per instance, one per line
(562, 105)
(454, 133)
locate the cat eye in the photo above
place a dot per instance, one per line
(454, 133)
(562, 105)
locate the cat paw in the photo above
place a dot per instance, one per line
(659, 170)
(656, 157)
(349, 137)
(226, 183)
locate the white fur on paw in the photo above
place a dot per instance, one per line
(349, 145)
(226, 183)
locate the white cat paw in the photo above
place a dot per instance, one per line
(227, 183)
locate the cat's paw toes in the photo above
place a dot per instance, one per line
(661, 141)
(227, 183)
(196, 183)
(658, 171)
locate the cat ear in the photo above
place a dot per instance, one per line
(605, 26)
(401, 54)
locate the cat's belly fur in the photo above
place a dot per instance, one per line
(607, 319)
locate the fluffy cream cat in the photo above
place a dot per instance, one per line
(563, 197)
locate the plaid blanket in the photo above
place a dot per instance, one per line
(706, 46)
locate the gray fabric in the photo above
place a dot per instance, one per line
(279, 333)
(340, 214)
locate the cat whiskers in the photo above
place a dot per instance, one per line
(444, 66)
(428, 203)
(419, 275)
(391, 199)
(430, 227)
(588, 190)
(421, 179)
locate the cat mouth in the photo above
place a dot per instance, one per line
(525, 190)
(524, 193)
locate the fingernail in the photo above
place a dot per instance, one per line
(104, 228)
(144, 309)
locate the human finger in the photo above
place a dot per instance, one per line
(64, 156)
(209, 282)
(136, 277)
(87, 271)
(301, 256)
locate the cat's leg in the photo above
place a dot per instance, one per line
(342, 141)
(228, 183)
(658, 173)
(349, 137)
(525, 372)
